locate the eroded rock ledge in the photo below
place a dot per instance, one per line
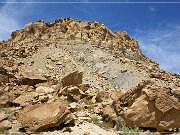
(69, 31)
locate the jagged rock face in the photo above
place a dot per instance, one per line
(81, 32)
(38, 117)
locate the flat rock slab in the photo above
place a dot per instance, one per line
(30, 77)
(25, 99)
(36, 118)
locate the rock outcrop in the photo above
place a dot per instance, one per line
(81, 32)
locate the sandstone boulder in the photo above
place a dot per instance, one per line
(25, 99)
(72, 92)
(109, 114)
(151, 107)
(30, 77)
(73, 78)
(36, 118)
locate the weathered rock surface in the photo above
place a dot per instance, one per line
(72, 92)
(30, 77)
(3, 116)
(4, 125)
(36, 118)
(43, 89)
(74, 78)
(150, 107)
(26, 99)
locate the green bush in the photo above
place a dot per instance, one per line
(102, 124)
(131, 131)
(121, 126)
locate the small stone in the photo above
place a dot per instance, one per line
(43, 89)
(43, 98)
(59, 63)
(3, 116)
(49, 66)
(73, 105)
(5, 124)
(72, 92)
(67, 129)
(86, 133)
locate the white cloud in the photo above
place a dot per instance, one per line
(162, 45)
(10, 15)
(8, 22)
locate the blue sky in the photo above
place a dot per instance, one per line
(155, 25)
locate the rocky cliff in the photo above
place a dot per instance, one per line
(56, 76)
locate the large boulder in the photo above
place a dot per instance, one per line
(30, 77)
(73, 78)
(36, 118)
(150, 107)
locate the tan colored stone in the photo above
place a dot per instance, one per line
(109, 114)
(5, 125)
(84, 87)
(102, 96)
(154, 108)
(25, 99)
(163, 101)
(98, 108)
(140, 115)
(43, 89)
(30, 77)
(3, 116)
(36, 118)
(84, 24)
(72, 92)
(133, 93)
(115, 95)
